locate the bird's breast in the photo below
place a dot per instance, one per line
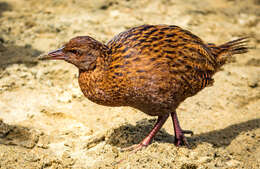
(96, 88)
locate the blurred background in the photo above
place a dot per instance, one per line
(46, 122)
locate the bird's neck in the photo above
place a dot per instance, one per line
(93, 82)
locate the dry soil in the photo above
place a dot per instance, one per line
(46, 122)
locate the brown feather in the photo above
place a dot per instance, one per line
(155, 68)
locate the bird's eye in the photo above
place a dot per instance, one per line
(76, 52)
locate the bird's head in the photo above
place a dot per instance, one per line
(81, 51)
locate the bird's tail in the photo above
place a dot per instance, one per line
(224, 52)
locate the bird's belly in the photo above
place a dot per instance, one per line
(153, 109)
(100, 97)
(152, 103)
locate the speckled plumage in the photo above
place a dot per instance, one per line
(151, 67)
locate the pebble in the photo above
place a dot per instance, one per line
(253, 83)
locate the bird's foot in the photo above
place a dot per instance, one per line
(180, 139)
(147, 140)
(135, 148)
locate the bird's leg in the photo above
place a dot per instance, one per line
(179, 133)
(146, 141)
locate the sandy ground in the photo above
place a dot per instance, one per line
(46, 122)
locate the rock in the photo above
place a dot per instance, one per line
(254, 81)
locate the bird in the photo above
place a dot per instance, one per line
(152, 68)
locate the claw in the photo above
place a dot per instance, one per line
(181, 141)
(134, 148)
(187, 132)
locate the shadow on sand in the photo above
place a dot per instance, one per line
(12, 54)
(127, 135)
(16, 135)
(4, 7)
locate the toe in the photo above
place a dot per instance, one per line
(187, 132)
(133, 148)
(181, 141)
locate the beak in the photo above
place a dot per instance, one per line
(53, 55)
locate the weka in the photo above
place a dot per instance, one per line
(152, 68)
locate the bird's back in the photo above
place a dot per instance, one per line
(154, 68)
(159, 65)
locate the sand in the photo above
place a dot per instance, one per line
(46, 122)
